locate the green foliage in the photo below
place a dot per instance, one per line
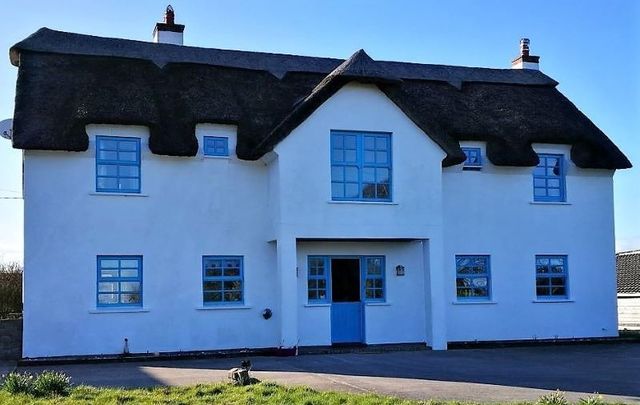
(227, 393)
(18, 383)
(10, 289)
(51, 383)
(555, 398)
(592, 400)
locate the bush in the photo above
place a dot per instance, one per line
(18, 383)
(554, 398)
(10, 289)
(592, 400)
(52, 383)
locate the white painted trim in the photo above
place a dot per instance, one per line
(317, 305)
(119, 194)
(474, 302)
(118, 310)
(363, 202)
(552, 301)
(549, 203)
(222, 307)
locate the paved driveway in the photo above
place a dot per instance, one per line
(504, 374)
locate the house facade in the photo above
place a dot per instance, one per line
(190, 199)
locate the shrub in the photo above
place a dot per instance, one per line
(592, 400)
(554, 398)
(52, 383)
(18, 383)
(10, 289)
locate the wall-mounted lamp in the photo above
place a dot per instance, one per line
(399, 270)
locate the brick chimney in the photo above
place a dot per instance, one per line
(525, 60)
(168, 32)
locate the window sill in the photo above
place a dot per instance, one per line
(317, 305)
(117, 310)
(377, 304)
(363, 202)
(120, 194)
(549, 203)
(222, 307)
(552, 301)
(474, 302)
(216, 157)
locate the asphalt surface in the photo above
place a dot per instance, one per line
(485, 375)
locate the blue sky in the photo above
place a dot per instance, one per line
(591, 47)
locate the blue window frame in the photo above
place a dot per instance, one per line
(474, 159)
(473, 277)
(360, 166)
(549, 178)
(117, 164)
(119, 281)
(222, 280)
(551, 276)
(216, 146)
(317, 279)
(374, 271)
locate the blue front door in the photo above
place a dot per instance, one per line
(347, 322)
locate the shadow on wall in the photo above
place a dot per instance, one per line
(605, 368)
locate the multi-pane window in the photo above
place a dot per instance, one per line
(117, 164)
(549, 178)
(360, 166)
(222, 280)
(216, 146)
(317, 279)
(551, 277)
(119, 281)
(473, 277)
(374, 278)
(474, 159)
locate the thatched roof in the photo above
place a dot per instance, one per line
(628, 270)
(66, 81)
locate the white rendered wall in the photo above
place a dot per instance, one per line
(189, 207)
(305, 173)
(168, 37)
(305, 208)
(400, 319)
(491, 212)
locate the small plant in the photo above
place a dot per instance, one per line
(52, 383)
(18, 383)
(554, 398)
(595, 399)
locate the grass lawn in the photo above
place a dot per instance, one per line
(226, 393)
(220, 393)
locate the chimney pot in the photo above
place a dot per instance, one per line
(524, 46)
(168, 32)
(525, 60)
(169, 15)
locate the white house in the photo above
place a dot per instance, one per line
(628, 270)
(191, 199)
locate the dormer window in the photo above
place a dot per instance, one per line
(474, 159)
(549, 178)
(117, 164)
(216, 146)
